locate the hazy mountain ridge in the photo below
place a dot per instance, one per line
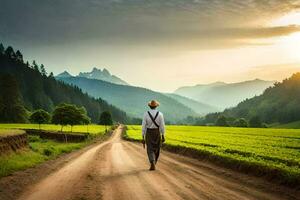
(98, 74)
(225, 95)
(132, 99)
(280, 103)
(103, 75)
(199, 107)
(64, 74)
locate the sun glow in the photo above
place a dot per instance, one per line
(288, 19)
(290, 45)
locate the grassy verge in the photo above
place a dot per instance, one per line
(271, 153)
(41, 150)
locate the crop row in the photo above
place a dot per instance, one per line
(270, 152)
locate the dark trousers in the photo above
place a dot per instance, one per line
(153, 142)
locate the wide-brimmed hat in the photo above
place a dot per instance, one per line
(153, 103)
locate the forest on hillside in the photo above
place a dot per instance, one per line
(30, 85)
(280, 103)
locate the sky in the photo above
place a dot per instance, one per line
(158, 44)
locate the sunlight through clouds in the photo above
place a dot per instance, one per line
(288, 19)
(204, 40)
(291, 45)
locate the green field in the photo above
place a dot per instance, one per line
(292, 125)
(39, 149)
(268, 152)
(92, 129)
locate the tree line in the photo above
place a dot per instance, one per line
(67, 114)
(218, 119)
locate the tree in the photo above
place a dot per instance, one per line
(27, 64)
(135, 121)
(19, 56)
(241, 122)
(200, 121)
(35, 66)
(1, 49)
(10, 52)
(221, 121)
(40, 117)
(105, 119)
(85, 119)
(255, 122)
(211, 118)
(43, 70)
(51, 75)
(11, 106)
(69, 114)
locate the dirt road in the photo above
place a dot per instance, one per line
(118, 169)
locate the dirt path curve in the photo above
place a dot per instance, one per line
(118, 169)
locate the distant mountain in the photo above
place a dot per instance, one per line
(39, 91)
(224, 95)
(280, 103)
(103, 75)
(131, 99)
(198, 107)
(64, 74)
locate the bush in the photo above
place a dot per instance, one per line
(264, 125)
(48, 152)
(34, 138)
(241, 122)
(221, 121)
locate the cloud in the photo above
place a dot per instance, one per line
(253, 32)
(191, 23)
(274, 72)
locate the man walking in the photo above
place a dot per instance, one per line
(153, 130)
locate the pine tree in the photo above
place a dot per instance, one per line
(10, 52)
(11, 106)
(27, 64)
(35, 66)
(51, 75)
(43, 70)
(19, 56)
(1, 49)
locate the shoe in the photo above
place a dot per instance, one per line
(152, 166)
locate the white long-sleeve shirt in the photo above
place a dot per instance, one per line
(147, 122)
